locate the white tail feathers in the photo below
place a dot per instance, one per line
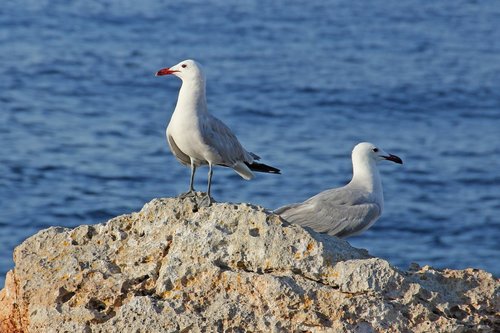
(242, 169)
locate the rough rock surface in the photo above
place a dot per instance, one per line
(174, 267)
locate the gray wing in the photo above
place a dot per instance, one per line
(339, 212)
(179, 155)
(223, 141)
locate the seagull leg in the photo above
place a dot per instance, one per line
(207, 200)
(191, 192)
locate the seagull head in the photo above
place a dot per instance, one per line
(185, 70)
(369, 151)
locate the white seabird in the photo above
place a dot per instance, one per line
(197, 138)
(348, 210)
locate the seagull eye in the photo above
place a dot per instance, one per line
(375, 150)
(184, 65)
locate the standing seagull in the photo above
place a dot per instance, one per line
(197, 138)
(348, 210)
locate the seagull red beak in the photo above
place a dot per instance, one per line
(165, 71)
(394, 158)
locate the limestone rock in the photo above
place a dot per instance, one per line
(174, 267)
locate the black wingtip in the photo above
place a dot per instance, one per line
(261, 167)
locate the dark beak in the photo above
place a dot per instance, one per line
(394, 158)
(165, 71)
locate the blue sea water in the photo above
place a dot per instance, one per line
(82, 116)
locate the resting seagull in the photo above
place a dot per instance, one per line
(197, 138)
(348, 210)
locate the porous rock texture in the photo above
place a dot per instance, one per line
(175, 267)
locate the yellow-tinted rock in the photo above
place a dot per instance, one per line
(175, 267)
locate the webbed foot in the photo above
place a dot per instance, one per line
(188, 194)
(206, 201)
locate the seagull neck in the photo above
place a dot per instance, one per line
(192, 96)
(365, 174)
